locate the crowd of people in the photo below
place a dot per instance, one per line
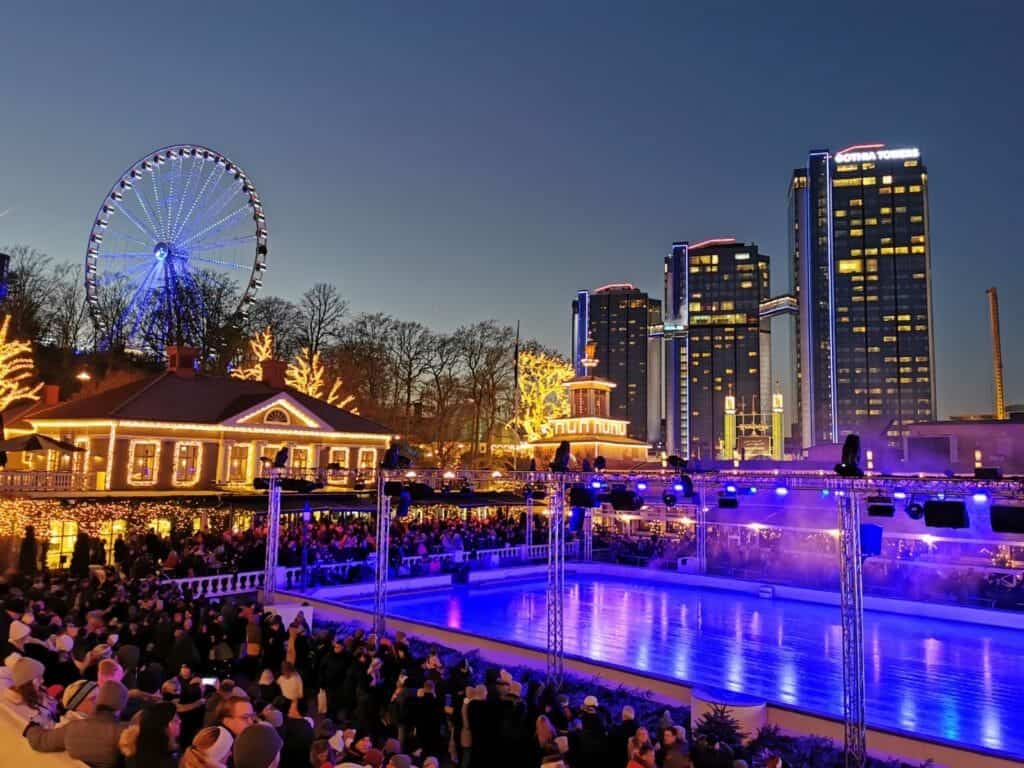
(118, 669)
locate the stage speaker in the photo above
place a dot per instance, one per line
(880, 506)
(625, 500)
(728, 502)
(420, 491)
(870, 539)
(987, 473)
(392, 488)
(581, 497)
(1007, 519)
(945, 514)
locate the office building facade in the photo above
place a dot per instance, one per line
(618, 318)
(859, 240)
(716, 345)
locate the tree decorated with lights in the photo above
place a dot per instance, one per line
(261, 347)
(542, 396)
(307, 374)
(16, 369)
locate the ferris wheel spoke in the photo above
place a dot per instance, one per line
(148, 232)
(134, 306)
(121, 274)
(214, 209)
(217, 225)
(158, 203)
(141, 297)
(221, 263)
(127, 255)
(121, 235)
(217, 245)
(217, 172)
(155, 231)
(184, 193)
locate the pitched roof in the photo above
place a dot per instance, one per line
(197, 400)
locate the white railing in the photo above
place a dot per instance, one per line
(14, 481)
(222, 584)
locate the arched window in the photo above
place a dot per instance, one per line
(276, 416)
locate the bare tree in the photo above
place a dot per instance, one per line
(486, 354)
(283, 319)
(363, 359)
(68, 315)
(30, 292)
(408, 343)
(322, 312)
(443, 390)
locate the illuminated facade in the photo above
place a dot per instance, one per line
(861, 261)
(590, 429)
(717, 345)
(181, 431)
(618, 318)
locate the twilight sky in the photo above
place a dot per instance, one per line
(450, 162)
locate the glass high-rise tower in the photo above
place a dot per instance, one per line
(861, 259)
(716, 343)
(618, 318)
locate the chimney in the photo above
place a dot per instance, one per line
(273, 373)
(51, 394)
(181, 361)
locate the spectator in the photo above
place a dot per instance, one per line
(675, 754)
(93, 739)
(152, 743)
(258, 746)
(620, 734)
(211, 748)
(643, 757)
(28, 697)
(27, 554)
(290, 682)
(236, 714)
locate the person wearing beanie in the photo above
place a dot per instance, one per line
(93, 739)
(593, 736)
(211, 748)
(78, 700)
(27, 697)
(620, 734)
(258, 746)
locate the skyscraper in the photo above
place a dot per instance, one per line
(617, 317)
(861, 263)
(716, 343)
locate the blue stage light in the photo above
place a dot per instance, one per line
(781, 490)
(595, 484)
(824, 491)
(641, 486)
(752, 490)
(899, 495)
(980, 497)
(677, 487)
(730, 488)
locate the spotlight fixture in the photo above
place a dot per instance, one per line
(752, 490)
(669, 498)
(781, 491)
(915, 510)
(850, 465)
(730, 488)
(641, 486)
(980, 497)
(899, 495)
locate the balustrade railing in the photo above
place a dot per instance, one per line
(16, 481)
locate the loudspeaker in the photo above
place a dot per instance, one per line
(870, 539)
(581, 497)
(420, 491)
(728, 502)
(625, 500)
(392, 488)
(915, 511)
(880, 506)
(987, 473)
(945, 514)
(1007, 519)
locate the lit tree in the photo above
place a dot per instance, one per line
(542, 396)
(16, 369)
(261, 347)
(307, 374)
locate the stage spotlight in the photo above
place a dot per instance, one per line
(825, 492)
(781, 491)
(596, 484)
(980, 497)
(880, 506)
(752, 490)
(669, 498)
(915, 510)
(730, 488)
(850, 465)
(684, 486)
(899, 495)
(641, 486)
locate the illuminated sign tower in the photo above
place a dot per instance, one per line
(859, 241)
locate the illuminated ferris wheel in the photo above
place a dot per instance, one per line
(179, 223)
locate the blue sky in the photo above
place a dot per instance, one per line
(450, 162)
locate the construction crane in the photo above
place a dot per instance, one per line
(997, 353)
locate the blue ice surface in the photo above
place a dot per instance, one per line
(946, 680)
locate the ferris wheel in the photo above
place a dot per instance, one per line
(180, 223)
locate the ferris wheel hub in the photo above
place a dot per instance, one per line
(162, 251)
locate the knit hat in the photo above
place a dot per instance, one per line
(76, 693)
(590, 703)
(374, 758)
(25, 671)
(64, 643)
(257, 747)
(19, 631)
(400, 761)
(113, 696)
(220, 750)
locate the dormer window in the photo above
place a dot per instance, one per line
(276, 416)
